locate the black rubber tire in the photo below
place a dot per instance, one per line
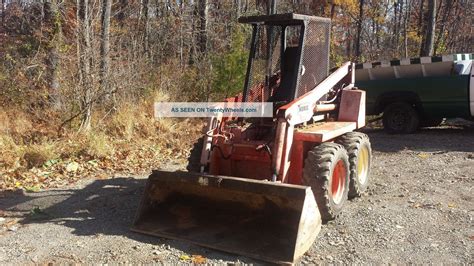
(358, 148)
(433, 122)
(318, 174)
(194, 159)
(400, 118)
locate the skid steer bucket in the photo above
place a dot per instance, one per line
(264, 220)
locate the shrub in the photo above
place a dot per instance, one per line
(230, 67)
(38, 154)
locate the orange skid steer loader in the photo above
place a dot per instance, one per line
(261, 187)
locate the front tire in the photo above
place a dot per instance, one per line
(400, 118)
(359, 151)
(326, 170)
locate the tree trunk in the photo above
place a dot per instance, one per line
(331, 16)
(271, 7)
(105, 45)
(238, 5)
(349, 43)
(122, 15)
(203, 14)
(359, 30)
(427, 45)
(3, 13)
(84, 54)
(397, 41)
(146, 31)
(53, 21)
(394, 36)
(420, 18)
(446, 13)
(405, 28)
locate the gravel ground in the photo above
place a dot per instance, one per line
(419, 209)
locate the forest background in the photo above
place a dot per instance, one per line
(78, 78)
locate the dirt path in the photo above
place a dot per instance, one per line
(419, 209)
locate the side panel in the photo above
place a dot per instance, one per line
(442, 97)
(352, 107)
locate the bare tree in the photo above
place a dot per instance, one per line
(445, 16)
(105, 44)
(52, 18)
(238, 7)
(122, 12)
(3, 13)
(203, 14)
(84, 53)
(428, 40)
(405, 28)
(359, 29)
(146, 26)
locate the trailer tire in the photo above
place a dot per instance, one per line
(400, 118)
(360, 156)
(326, 171)
(194, 159)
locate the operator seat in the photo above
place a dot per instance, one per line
(285, 93)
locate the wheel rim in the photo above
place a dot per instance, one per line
(338, 182)
(398, 119)
(363, 165)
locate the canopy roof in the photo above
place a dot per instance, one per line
(289, 18)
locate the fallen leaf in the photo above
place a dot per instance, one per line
(72, 167)
(13, 228)
(32, 189)
(50, 163)
(423, 155)
(198, 259)
(184, 257)
(10, 223)
(93, 163)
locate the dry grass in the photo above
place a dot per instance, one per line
(14, 122)
(129, 140)
(37, 155)
(10, 152)
(97, 145)
(122, 123)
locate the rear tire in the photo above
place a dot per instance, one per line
(400, 118)
(326, 170)
(360, 156)
(194, 159)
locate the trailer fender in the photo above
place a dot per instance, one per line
(398, 96)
